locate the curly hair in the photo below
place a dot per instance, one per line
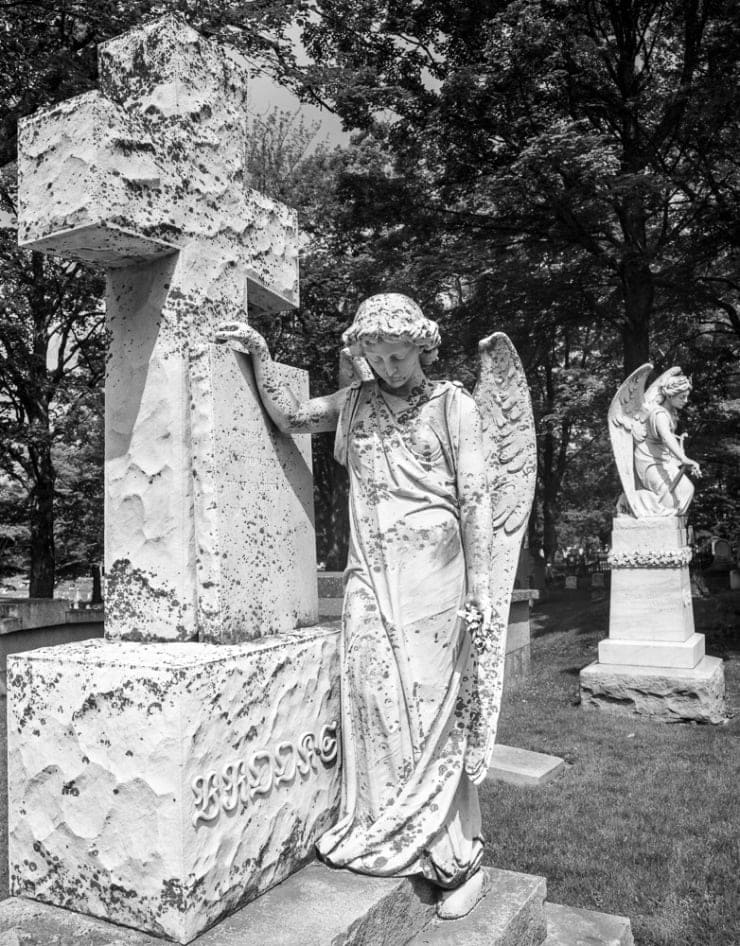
(676, 385)
(391, 315)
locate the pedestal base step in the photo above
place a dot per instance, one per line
(664, 693)
(522, 767)
(511, 914)
(321, 907)
(569, 926)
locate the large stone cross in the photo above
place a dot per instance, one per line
(209, 528)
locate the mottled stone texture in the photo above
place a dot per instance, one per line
(665, 693)
(146, 178)
(161, 786)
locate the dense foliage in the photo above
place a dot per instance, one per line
(564, 171)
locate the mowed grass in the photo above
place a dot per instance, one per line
(645, 822)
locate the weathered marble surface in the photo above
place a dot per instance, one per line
(160, 786)
(653, 663)
(650, 597)
(146, 178)
(663, 693)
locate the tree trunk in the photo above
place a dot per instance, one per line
(41, 578)
(638, 292)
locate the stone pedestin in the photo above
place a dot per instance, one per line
(653, 662)
(161, 786)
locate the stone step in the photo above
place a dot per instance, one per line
(570, 926)
(321, 907)
(523, 767)
(511, 914)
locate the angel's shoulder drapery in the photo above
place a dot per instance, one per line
(344, 424)
(652, 421)
(450, 405)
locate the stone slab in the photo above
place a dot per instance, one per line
(162, 786)
(320, 907)
(645, 653)
(570, 926)
(652, 604)
(664, 694)
(314, 907)
(511, 914)
(521, 767)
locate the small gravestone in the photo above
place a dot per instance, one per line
(571, 582)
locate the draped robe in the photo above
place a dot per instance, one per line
(407, 804)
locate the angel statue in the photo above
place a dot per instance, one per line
(650, 457)
(441, 484)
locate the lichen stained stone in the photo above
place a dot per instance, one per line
(162, 785)
(146, 178)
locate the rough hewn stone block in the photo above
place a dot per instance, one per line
(666, 694)
(161, 786)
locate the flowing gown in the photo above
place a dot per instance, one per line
(407, 805)
(656, 468)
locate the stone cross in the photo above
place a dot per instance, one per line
(209, 522)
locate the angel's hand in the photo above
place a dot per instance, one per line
(479, 598)
(694, 468)
(240, 332)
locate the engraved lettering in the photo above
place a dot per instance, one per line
(328, 744)
(259, 787)
(242, 780)
(206, 792)
(284, 754)
(307, 753)
(229, 791)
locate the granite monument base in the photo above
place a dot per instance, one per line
(161, 786)
(321, 907)
(653, 663)
(665, 693)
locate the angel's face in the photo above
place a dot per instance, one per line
(678, 401)
(395, 362)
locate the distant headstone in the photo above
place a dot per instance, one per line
(597, 580)
(571, 582)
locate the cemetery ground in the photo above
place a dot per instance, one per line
(645, 821)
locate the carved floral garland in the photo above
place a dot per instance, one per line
(651, 558)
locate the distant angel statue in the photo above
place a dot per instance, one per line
(441, 485)
(650, 457)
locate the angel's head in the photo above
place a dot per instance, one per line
(676, 390)
(391, 316)
(394, 335)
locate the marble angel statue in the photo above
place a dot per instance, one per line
(441, 484)
(650, 457)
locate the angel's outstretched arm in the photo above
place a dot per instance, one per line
(289, 413)
(475, 509)
(674, 444)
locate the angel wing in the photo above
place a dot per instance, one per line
(626, 411)
(510, 446)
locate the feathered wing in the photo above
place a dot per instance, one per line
(510, 446)
(626, 415)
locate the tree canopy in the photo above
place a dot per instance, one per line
(567, 172)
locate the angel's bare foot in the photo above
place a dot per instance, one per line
(453, 904)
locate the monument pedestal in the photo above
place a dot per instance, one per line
(321, 907)
(653, 663)
(162, 786)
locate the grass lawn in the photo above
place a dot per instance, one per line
(645, 822)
